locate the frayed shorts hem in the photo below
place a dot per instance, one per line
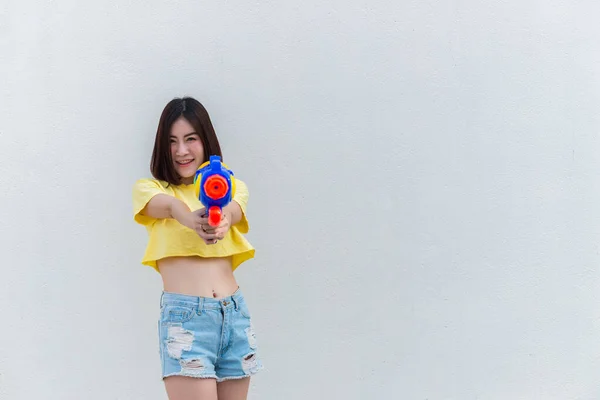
(229, 378)
(190, 375)
(225, 378)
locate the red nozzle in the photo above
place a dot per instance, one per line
(214, 216)
(216, 187)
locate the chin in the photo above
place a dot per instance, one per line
(184, 175)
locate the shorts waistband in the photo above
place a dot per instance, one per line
(203, 303)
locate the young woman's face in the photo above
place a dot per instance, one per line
(187, 151)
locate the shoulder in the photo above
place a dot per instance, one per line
(151, 184)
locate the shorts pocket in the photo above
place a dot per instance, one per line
(244, 311)
(176, 313)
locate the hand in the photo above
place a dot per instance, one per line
(216, 232)
(197, 221)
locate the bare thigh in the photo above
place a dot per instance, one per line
(233, 389)
(186, 388)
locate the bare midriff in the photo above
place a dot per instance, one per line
(197, 276)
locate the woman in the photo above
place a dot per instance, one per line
(207, 343)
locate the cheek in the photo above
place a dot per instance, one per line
(198, 148)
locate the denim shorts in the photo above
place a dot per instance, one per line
(202, 337)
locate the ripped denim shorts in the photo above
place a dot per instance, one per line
(202, 337)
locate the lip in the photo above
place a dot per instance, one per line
(184, 165)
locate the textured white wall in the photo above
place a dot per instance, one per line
(424, 192)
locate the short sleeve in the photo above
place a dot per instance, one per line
(143, 191)
(241, 197)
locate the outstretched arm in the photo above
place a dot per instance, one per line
(165, 206)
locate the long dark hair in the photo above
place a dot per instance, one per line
(189, 108)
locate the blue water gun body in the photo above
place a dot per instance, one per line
(214, 185)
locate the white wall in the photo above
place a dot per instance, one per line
(424, 192)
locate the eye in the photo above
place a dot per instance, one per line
(191, 139)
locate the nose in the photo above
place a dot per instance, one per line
(181, 149)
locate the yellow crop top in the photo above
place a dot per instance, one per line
(168, 238)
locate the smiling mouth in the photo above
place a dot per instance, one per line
(184, 163)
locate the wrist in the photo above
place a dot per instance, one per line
(181, 215)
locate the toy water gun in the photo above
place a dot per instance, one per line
(214, 185)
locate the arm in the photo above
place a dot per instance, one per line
(163, 206)
(233, 211)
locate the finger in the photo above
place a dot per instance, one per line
(204, 222)
(209, 236)
(204, 226)
(221, 233)
(211, 241)
(205, 235)
(209, 229)
(224, 224)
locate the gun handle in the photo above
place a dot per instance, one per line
(214, 216)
